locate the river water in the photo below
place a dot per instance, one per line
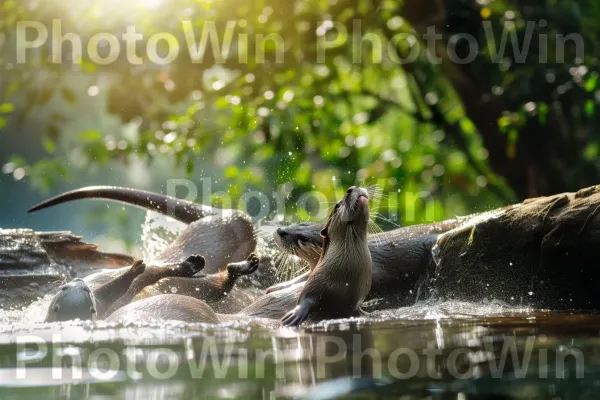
(431, 350)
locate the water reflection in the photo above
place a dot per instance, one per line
(513, 356)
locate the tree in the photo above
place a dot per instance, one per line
(300, 92)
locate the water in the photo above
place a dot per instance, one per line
(427, 351)
(431, 350)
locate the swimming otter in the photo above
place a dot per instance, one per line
(341, 280)
(222, 235)
(153, 274)
(165, 307)
(76, 300)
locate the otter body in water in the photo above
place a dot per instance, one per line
(76, 300)
(214, 289)
(341, 280)
(400, 257)
(165, 307)
(222, 235)
(153, 274)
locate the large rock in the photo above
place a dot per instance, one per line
(544, 252)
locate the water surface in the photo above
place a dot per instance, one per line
(445, 350)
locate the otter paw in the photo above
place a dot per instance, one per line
(138, 267)
(243, 267)
(253, 262)
(196, 260)
(192, 265)
(297, 316)
(253, 258)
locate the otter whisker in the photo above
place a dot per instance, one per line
(373, 230)
(377, 216)
(375, 191)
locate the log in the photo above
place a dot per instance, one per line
(33, 264)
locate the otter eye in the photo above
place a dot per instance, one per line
(324, 233)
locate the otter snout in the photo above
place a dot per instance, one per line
(356, 203)
(363, 200)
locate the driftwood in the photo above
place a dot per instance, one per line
(33, 264)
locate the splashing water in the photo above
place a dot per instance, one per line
(30, 314)
(158, 232)
(436, 254)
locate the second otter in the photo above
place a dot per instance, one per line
(341, 280)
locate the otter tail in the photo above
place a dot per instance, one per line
(181, 210)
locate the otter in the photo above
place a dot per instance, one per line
(76, 300)
(399, 256)
(165, 307)
(112, 290)
(222, 235)
(341, 280)
(213, 288)
(151, 275)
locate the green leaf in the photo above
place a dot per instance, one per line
(2, 122)
(90, 136)
(12, 89)
(50, 145)
(88, 67)
(591, 83)
(504, 122)
(18, 161)
(590, 107)
(542, 112)
(189, 166)
(591, 151)
(7, 108)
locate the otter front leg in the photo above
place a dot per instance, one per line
(115, 288)
(299, 314)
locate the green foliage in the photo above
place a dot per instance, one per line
(285, 120)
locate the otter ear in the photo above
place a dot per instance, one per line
(324, 233)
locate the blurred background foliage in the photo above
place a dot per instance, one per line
(441, 139)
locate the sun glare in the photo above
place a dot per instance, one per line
(151, 4)
(132, 5)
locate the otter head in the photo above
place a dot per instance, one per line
(302, 240)
(351, 212)
(74, 300)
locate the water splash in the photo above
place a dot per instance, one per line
(158, 232)
(30, 314)
(436, 254)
